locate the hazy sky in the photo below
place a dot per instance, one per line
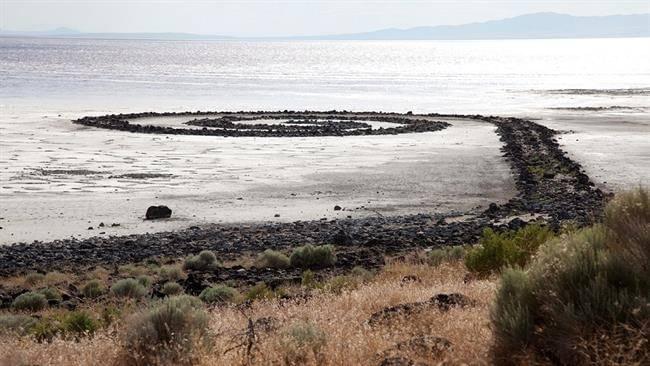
(275, 18)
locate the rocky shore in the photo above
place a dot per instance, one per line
(551, 187)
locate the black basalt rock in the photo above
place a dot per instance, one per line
(158, 212)
(342, 238)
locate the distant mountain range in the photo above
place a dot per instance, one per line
(71, 33)
(530, 26)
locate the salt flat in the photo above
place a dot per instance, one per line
(64, 179)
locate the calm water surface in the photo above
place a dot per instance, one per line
(506, 76)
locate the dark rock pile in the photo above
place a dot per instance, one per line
(547, 180)
(441, 302)
(298, 124)
(314, 125)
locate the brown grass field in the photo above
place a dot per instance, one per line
(342, 318)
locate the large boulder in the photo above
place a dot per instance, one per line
(158, 212)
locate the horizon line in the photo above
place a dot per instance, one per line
(72, 32)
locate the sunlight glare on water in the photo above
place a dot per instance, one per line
(423, 76)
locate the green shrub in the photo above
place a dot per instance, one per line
(446, 254)
(498, 250)
(362, 274)
(307, 334)
(208, 256)
(16, 324)
(33, 279)
(302, 341)
(93, 289)
(145, 280)
(168, 333)
(339, 284)
(260, 292)
(109, 314)
(493, 253)
(309, 256)
(511, 313)
(627, 218)
(204, 261)
(51, 294)
(172, 288)
(79, 323)
(437, 257)
(218, 294)
(32, 301)
(171, 273)
(308, 279)
(272, 259)
(128, 288)
(46, 329)
(582, 285)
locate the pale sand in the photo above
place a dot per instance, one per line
(458, 168)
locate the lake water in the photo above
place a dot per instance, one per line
(502, 76)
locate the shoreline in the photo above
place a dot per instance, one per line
(551, 187)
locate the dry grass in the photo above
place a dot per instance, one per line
(621, 346)
(342, 317)
(101, 349)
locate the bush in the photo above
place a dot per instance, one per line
(446, 254)
(498, 250)
(362, 274)
(92, 289)
(204, 261)
(339, 284)
(16, 324)
(32, 301)
(302, 340)
(511, 314)
(33, 279)
(627, 218)
(128, 287)
(308, 279)
(272, 259)
(51, 294)
(169, 333)
(171, 273)
(144, 280)
(580, 286)
(259, 292)
(55, 278)
(79, 323)
(46, 329)
(132, 270)
(172, 288)
(218, 294)
(313, 257)
(109, 314)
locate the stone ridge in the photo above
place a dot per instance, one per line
(223, 125)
